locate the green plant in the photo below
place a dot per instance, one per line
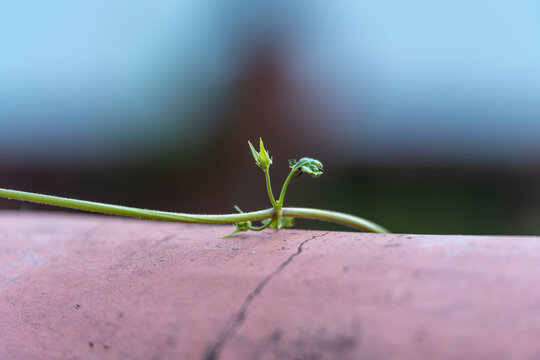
(276, 217)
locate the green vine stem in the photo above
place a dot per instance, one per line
(269, 189)
(135, 212)
(333, 216)
(283, 190)
(276, 217)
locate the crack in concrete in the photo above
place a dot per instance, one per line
(213, 352)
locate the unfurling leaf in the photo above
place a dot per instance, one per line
(307, 165)
(243, 226)
(262, 158)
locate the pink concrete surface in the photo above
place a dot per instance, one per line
(95, 287)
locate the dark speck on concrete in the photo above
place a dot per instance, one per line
(276, 335)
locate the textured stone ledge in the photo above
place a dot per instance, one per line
(95, 287)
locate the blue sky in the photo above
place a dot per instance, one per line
(449, 79)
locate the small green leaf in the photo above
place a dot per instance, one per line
(239, 227)
(285, 222)
(307, 165)
(256, 155)
(282, 223)
(266, 160)
(243, 226)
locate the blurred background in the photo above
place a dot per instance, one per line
(425, 114)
